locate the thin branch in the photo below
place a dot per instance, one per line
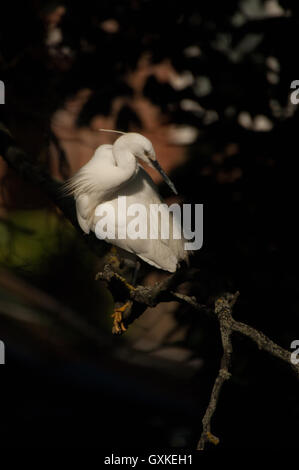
(165, 291)
(142, 297)
(263, 342)
(223, 308)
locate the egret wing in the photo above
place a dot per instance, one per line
(83, 212)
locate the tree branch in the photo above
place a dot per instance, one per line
(223, 309)
(144, 297)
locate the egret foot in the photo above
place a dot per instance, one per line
(118, 324)
(213, 439)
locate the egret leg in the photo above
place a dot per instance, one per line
(114, 262)
(124, 281)
(136, 272)
(112, 258)
(118, 324)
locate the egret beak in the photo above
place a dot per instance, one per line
(157, 166)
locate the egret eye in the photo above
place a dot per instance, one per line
(146, 153)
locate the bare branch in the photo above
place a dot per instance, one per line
(223, 308)
(143, 297)
(263, 342)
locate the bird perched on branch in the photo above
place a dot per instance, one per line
(114, 171)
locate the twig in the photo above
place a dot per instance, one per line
(144, 297)
(223, 309)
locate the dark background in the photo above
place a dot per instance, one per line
(63, 387)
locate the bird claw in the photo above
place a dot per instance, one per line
(211, 438)
(118, 324)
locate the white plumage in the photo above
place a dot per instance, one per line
(114, 171)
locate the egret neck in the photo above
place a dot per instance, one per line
(125, 160)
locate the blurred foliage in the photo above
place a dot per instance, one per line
(27, 237)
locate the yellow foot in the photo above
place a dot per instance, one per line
(118, 325)
(213, 439)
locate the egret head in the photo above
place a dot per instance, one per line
(142, 148)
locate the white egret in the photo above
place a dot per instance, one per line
(114, 171)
